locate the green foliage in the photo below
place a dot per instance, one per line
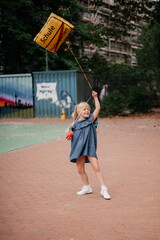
(120, 69)
(112, 105)
(98, 65)
(148, 56)
(124, 13)
(127, 11)
(115, 75)
(22, 20)
(118, 77)
(138, 101)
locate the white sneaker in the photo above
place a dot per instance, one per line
(104, 193)
(85, 190)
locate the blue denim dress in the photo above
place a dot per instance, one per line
(84, 140)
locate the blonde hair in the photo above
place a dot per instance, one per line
(79, 106)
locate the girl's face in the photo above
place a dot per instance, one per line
(84, 112)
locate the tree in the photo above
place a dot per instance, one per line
(127, 12)
(18, 21)
(21, 21)
(148, 56)
(124, 15)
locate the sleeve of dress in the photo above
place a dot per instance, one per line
(72, 127)
(95, 123)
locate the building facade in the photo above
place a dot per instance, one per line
(115, 50)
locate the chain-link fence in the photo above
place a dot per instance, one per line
(124, 84)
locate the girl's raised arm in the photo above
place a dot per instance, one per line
(97, 106)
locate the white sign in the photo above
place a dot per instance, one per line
(47, 91)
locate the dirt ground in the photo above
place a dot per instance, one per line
(38, 186)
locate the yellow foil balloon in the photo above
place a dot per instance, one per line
(53, 33)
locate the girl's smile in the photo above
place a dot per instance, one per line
(84, 113)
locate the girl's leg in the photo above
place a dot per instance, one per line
(96, 168)
(81, 169)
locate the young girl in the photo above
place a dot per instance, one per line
(84, 144)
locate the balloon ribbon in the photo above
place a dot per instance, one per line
(68, 45)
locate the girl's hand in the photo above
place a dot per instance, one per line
(94, 94)
(69, 135)
(68, 138)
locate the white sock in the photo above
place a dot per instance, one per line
(103, 187)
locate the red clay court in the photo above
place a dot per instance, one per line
(38, 186)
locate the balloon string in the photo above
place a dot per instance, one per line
(68, 45)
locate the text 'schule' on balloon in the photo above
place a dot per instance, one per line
(53, 33)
